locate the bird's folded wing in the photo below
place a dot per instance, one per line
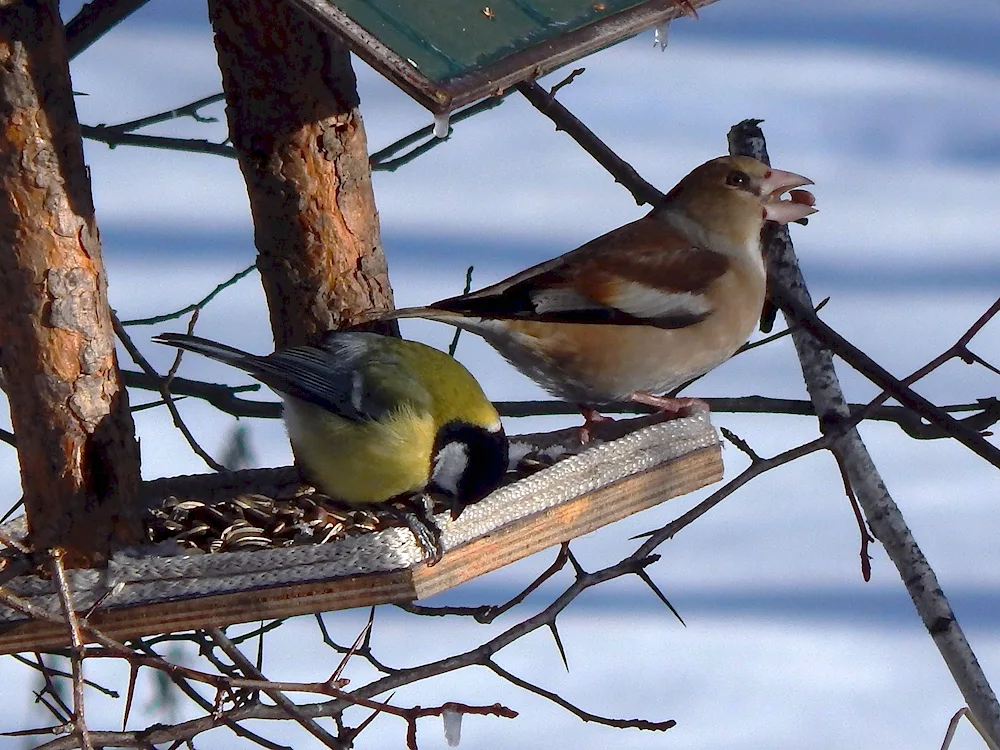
(336, 381)
(643, 273)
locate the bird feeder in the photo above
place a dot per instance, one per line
(450, 53)
(630, 465)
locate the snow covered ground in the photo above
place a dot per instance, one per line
(892, 110)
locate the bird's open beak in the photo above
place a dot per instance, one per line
(798, 205)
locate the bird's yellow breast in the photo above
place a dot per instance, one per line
(361, 462)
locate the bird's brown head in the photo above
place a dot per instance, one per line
(734, 195)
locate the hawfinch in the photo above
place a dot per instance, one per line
(645, 307)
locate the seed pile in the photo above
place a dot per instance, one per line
(252, 521)
(298, 515)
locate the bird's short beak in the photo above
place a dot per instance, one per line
(800, 203)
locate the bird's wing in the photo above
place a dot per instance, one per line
(342, 376)
(643, 273)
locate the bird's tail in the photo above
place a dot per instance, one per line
(479, 326)
(228, 354)
(427, 313)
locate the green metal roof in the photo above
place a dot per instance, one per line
(447, 53)
(446, 38)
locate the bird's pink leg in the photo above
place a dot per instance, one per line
(590, 417)
(679, 407)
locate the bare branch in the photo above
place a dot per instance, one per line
(46, 671)
(654, 726)
(140, 360)
(186, 688)
(96, 19)
(959, 349)
(382, 161)
(223, 398)
(177, 113)
(277, 696)
(884, 517)
(488, 613)
(807, 319)
(76, 648)
(200, 304)
(564, 120)
(574, 74)
(193, 145)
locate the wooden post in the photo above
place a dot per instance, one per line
(294, 121)
(75, 437)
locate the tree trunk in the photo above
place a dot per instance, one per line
(294, 121)
(75, 437)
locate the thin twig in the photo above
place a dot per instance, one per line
(574, 74)
(54, 729)
(452, 348)
(57, 706)
(192, 145)
(186, 110)
(186, 688)
(653, 726)
(804, 316)
(382, 160)
(157, 319)
(958, 349)
(489, 612)
(76, 648)
(245, 666)
(222, 397)
(622, 171)
(94, 20)
(143, 363)
(46, 669)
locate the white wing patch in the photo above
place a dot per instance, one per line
(630, 297)
(562, 300)
(450, 464)
(644, 301)
(357, 390)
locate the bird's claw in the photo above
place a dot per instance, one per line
(676, 407)
(419, 519)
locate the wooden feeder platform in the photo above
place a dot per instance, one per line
(632, 465)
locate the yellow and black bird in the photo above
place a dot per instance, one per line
(374, 418)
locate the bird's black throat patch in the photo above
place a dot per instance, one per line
(468, 463)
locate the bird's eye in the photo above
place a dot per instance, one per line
(737, 179)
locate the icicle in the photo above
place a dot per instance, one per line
(442, 125)
(452, 720)
(660, 35)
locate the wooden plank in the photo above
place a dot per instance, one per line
(504, 545)
(219, 610)
(569, 521)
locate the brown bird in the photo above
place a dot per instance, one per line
(645, 307)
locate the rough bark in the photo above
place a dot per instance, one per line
(292, 107)
(76, 446)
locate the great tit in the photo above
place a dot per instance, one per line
(374, 418)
